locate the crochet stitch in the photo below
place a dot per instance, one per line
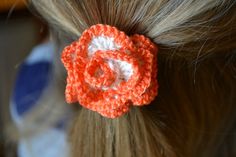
(109, 71)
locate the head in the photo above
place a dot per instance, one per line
(194, 113)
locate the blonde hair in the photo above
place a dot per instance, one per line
(194, 113)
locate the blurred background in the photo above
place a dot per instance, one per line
(20, 31)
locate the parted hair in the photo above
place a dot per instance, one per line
(194, 113)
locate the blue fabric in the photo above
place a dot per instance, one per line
(31, 81)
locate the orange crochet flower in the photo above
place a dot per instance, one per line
(109, 71)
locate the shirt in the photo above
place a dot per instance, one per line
(33, 79)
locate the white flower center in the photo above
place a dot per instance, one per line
(122, 69)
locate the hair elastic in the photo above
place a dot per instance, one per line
(109, 71)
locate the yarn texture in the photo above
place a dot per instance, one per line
(109, 71)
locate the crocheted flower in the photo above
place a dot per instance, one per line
(109, 71)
